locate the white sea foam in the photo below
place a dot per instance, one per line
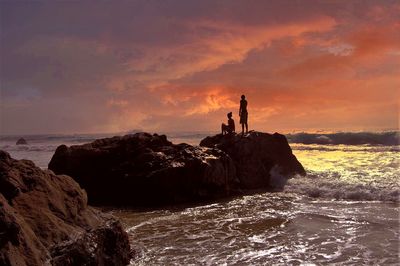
(335, 189)
(361, 172)
(268, 229)
(277, 180)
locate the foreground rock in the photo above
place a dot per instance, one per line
(146, 170)
(45, 220)
(103, 245)
(262, 160)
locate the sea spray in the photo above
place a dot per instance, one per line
(320, 187)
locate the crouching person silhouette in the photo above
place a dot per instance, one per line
(230, 128)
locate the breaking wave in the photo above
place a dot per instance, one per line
(348, 172)
(329, 187)
(344, 148)
(347, 138)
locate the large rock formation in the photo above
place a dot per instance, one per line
(45, 220)
(258, 157)
(146, 170)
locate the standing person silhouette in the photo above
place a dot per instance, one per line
(243, 114)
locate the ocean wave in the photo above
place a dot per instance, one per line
(345, 148)
(28, 148)
(334, 188)
(348, 138)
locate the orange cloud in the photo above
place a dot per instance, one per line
(374, 41)
(118, 103)
(213, 100)
(229, 43)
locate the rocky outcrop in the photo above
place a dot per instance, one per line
(260, 158)
(45, 220)
(146, 170)
(21, 141)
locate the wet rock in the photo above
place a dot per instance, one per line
(105, 245)
(21, 141)
(146, 170)
(257, 157)
(41, 211)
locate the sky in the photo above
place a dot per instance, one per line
(168, 66)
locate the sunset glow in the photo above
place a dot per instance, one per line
(75, 67)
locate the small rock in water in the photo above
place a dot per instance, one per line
(21, 141)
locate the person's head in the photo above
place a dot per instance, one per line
(229, 115)
(243, 97)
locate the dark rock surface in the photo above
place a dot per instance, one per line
(257, 157)
(96, 247)
(21, 141)
(44, 220)
(146, 170)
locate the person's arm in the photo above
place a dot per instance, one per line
(240, 109)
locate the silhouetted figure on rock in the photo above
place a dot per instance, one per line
(230, 128)
(243, 114)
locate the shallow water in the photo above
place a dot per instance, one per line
(269, 228)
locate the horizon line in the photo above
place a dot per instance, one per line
(200, 132)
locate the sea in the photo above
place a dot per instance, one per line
(344, 212)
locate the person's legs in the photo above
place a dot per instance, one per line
(242, 129)
(247, 128)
